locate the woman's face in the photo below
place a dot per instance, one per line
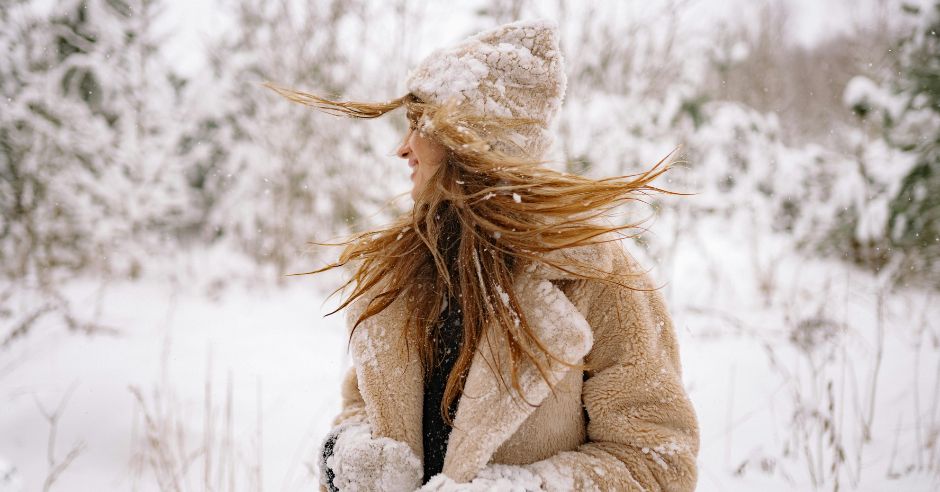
(424, 156)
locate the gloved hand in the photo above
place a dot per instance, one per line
(495, 477)
(352, 460)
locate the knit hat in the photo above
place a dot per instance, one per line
(516, 70)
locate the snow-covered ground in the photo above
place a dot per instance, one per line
(260, 362)
(787, 360)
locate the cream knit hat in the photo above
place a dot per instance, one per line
(516, 69)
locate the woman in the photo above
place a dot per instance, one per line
(502, 338)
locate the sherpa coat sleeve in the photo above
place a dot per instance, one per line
(353, 409)
(642, 431)
(353, 406)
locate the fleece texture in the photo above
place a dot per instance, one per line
(359, 462)
(624, 423)
(515, 69)
(492, 478)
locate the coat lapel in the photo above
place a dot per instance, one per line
(488, 413)
(489, 410)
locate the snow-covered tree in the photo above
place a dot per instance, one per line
(84, 181)
(914, 216)
(269, 175)
(905, 108)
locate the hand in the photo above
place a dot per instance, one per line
(360, 462)
(495, 477)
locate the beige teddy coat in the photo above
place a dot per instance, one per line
(625, 423)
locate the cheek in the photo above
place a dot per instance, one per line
(429, 153)
(430, 157)
(427, 170)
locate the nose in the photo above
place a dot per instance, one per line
(404, 150)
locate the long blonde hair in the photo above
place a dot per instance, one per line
(494, 208)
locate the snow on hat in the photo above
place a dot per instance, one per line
(516, 69)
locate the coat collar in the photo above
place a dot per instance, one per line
(487, 414)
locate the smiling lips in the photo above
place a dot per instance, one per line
(414, 167)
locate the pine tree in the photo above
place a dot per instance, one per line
(914, 213)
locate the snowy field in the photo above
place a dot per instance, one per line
(810, 135)
(786, 375)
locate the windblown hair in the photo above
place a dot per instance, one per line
(480, 213)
